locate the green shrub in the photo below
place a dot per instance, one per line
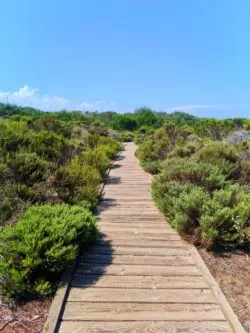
(127, 136)
(14, 135)
(183, 151)
(225, 218)
(77, 182)
(97, 159)
(14, 199)
(166, 193)
(41, 246)
(146, 152)
(188, 170)
(4, 172)
(152, 167)
(29, 168)
(188, 208)
(49, 145)
(115, 145)
(219, 153)
(244, 174)
(180, 203)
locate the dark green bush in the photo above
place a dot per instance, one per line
(4, 172)
(184, 170)
(187, 209)
(29, 168)
(225, 218)
(180, 203)
(41, 246)
(14, 199)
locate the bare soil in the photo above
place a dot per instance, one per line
(232, 273)
(26, 317)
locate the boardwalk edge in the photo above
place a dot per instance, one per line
(223, 302)
(57, 306)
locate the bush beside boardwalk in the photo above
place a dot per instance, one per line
(50, 185)
(202, 185)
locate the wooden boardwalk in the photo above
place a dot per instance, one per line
(141, 276)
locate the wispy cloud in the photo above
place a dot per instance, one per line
(27, 96)
(97, 106)
(189, 108)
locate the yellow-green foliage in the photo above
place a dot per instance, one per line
(78, 181)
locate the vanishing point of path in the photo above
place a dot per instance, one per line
(141, 276)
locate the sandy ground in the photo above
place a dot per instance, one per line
(232, 272)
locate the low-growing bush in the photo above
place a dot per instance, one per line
(41, 246)
(152, 167)
(127, 136)
(49, 145)
(180, 203)
(29, 168)
(77, 181)
(14, 135)
(219, 153)
(201, 174)
(14, 199)
(225, 218)
(4, 172)
(97, 159)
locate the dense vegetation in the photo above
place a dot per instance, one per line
(52, 165)
(50, 178)
(202, 179)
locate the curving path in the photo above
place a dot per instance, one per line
(141, 276)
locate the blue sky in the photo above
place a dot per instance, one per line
(188, 55)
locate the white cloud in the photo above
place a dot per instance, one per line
(187, 108)
(97, 106)
(27, 96)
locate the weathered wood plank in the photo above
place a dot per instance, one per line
(142, 312)
(136, 260)
(132, 270)
(136, 236)
(145, 327)
(141, 295)
(144, 243)
(140, 282)
(148, 228)
(134, 250)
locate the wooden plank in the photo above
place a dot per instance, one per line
(136, 260)
(148, 228)
(147, 327)
(135, 236)
(132, 270)
(144, 243)
(154, 251)
(141, 295)
(86, 311)
(139, 282)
